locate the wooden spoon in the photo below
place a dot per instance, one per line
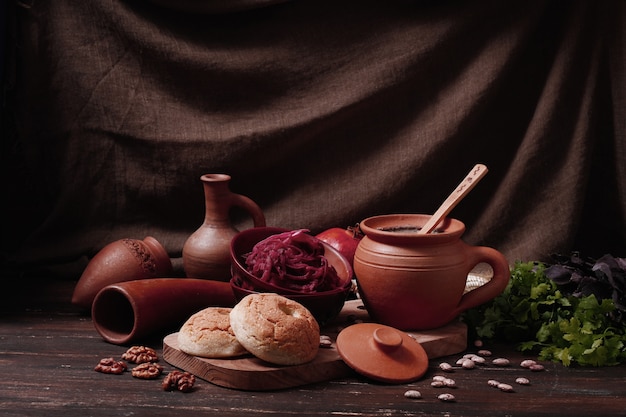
(464, 187)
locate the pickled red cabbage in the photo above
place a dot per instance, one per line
(293, 260)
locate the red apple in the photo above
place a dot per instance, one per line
(344, 240)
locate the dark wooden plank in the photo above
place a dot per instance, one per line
(47, 360)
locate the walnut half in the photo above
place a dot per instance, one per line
(140, 354)
(111, 366)
(147, 370)
(177, 380)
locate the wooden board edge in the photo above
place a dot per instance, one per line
(255, 375)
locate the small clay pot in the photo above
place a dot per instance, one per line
(133, 310)
(119, 261)
(414, 281)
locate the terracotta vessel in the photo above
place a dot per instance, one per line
(122, 260)
(244, 242)
(206, 253)
(417, 282)
(134, 310)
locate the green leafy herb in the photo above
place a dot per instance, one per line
(540, 316)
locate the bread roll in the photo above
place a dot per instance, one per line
(208, 333)
(276, 329)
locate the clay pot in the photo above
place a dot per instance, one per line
(129, 311)
(417, 282)
(122, 260)
(206, 253)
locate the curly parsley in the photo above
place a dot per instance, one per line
(553, 321)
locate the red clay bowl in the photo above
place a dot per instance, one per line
(244, 241)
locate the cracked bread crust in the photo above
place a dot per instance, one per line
(208, 334)
(276, 329)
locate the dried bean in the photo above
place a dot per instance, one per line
(446, 397)
(449, 382)
(536, 367)
(324, 343)
(522, 381)
(439, 378)
(484, 352)
(501, 362)
(468, 364)
(446, 367)
(493, 383)
(437, 384)
(505, 387)
(527, 363)
(413, 394)
(478, 343)
(478, 359)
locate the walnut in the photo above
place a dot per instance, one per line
(140, 354)
(147, 370)
(111, 366)
(182, 381)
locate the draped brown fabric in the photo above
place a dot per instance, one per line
(323, 112)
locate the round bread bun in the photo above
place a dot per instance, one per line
(276, 329)
(208, 333)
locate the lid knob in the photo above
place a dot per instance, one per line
(387, 339)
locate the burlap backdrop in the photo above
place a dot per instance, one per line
(323, 112)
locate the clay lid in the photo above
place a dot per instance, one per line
(382, 353)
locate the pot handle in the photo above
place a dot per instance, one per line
(494, 287)
(246, 203)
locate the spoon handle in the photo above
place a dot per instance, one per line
(464, 187)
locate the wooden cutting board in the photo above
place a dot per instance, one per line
(252, 374)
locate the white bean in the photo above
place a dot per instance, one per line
(505, 387)
(326, 343)
(468, 364)
(413, 394)
(522, 381)
(478, 359)
(446, 367)
(501, 362)
(449, 382)
(493, 383)
(484, 352)
(446, 397)
(527, 363)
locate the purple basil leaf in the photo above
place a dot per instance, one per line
(559, 274)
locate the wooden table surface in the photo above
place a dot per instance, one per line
(48, 350)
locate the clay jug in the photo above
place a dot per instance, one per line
(122, 260)
(416, 281)
(206, 253)
(134, 310)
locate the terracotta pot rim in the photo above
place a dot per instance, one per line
(215, 177)
(373, 225)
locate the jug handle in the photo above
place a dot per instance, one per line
(494, 287)
(239, 200)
